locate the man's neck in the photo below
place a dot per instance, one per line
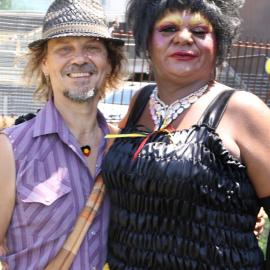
(80, 118)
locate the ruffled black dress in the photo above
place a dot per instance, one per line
(183, 203)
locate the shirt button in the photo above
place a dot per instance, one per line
(93, 233)
(93, 268)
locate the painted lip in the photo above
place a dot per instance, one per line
(184, 55)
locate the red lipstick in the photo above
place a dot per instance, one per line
(184, 55)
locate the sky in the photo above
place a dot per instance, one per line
(37, 5)
(112, 7)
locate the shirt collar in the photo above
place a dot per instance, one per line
(49, 121)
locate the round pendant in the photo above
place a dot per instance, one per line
(86, 150)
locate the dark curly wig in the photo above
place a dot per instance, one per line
(222, 14)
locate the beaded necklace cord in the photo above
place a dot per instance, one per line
(163, 114)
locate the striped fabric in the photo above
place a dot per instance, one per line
(53, 183)
(64, 259)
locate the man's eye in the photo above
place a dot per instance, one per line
(64, 50)
(92, 49)
(168, 29)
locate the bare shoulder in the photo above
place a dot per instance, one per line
(7, 184)
(248, 108)
(250, 119)
(6, 147)
(7, 161)
(113, 129)
(244, 98)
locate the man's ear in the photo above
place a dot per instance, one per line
(44, 66)
(109, 70)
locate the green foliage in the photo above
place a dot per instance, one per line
(5, 4)
(264, 236)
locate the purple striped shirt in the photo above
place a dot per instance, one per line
(53, 183)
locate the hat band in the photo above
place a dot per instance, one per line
(101, 31)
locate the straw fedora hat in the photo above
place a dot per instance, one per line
(71, 18)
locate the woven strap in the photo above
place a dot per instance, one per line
(64, 259)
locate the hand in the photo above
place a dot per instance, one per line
(260, 223)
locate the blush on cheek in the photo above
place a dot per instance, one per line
(157, 41)
(210, 45)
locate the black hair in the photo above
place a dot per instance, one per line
(222, 14)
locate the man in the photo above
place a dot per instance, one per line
(48, 164)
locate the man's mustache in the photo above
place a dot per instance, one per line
(84, 68)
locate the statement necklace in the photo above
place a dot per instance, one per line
(163, 114)
(86, 150)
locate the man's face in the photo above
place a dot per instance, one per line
(76, 66)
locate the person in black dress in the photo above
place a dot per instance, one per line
(190, 170)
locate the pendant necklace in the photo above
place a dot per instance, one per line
(86, 150)
(163, 114)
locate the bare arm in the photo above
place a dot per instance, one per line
(252, 135)
(7, 185)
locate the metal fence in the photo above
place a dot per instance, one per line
(243, 69)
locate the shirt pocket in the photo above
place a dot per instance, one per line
(46, 203)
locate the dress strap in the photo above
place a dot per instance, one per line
(140, 104)
(214, 112)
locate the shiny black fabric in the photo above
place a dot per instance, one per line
(183, 203)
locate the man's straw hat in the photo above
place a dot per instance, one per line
(75, 18)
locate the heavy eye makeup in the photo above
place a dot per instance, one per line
(200, 30)
(167, 28)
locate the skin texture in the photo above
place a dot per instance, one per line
(182, 50)
(65, 64)
(7, 188)
(74, 77)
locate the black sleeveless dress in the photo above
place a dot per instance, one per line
(183, 203)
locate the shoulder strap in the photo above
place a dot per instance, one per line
(216, 109)
(140, 104)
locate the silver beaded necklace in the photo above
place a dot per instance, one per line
(163, 114)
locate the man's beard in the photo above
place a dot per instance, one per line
(82, 93)
(80, 96)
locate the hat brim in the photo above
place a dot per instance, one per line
(39, 42)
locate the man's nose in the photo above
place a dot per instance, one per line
(183, 37)
(80, 57)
